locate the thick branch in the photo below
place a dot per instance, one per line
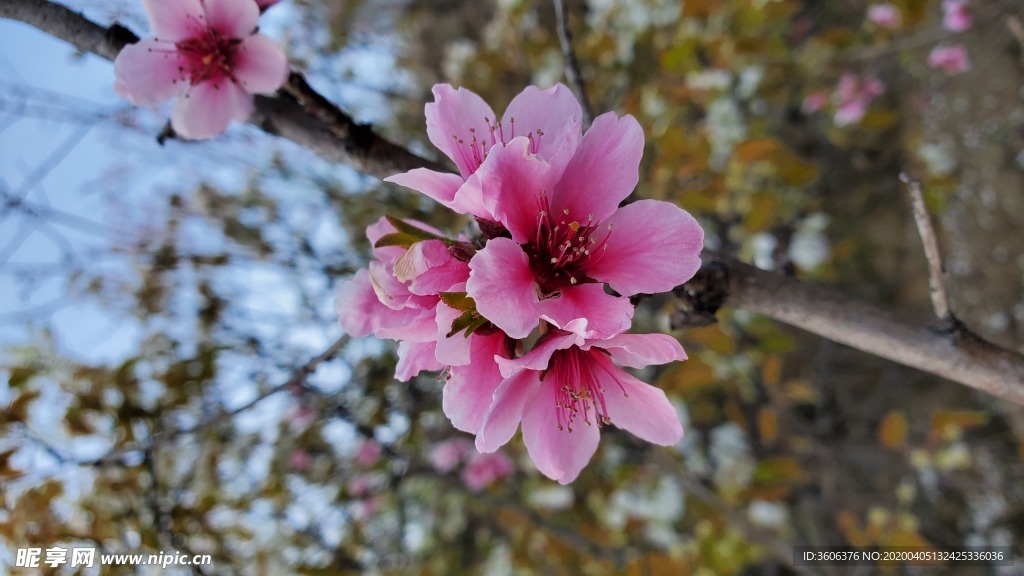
(961, 356)
(342, 140)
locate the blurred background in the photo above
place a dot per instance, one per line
(163, 295)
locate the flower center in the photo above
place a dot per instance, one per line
(208, 56)
(579, 393)
(562, 248)
(473, 150)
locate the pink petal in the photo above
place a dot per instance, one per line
(390, 291)
(502, 284)
(430, 268)
(851, 112)
(558, 454)
(440, 186)
(452, 351)
(206, 109)
(538, 358)
(390, 254)
(232, 18)
(412, 324)
(511, 182)
(386, 254)
(469, 392)
(440, 278)
(642, 350)
(149, 72)
(175, 21)
(652, 247)
(506, 410)
(354, 304)
(459, 115)
(413, 358)
(551, 118)
(637, 407)
(360, 313)
(606, 314)
(604, 170)
(260, 65)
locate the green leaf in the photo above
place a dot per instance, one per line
(463, 322)
(480, 321)
(458, 300)
(405, 228)
(396, 239)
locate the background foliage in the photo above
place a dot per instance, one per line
(213, 266)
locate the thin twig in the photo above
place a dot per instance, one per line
(572, 65)
(936, 271)
(1017, 30)
(297, 378)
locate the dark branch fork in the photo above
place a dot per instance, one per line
(300, 114)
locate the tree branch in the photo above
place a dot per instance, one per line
(936, 271)
(342, 140)
(572, 65)
(962, 357)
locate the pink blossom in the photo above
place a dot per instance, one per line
(367, 507)
(951, 59)
(299, 459)
(955, 16)
(885, 15)
(465, 128)
(359, 485)
(446, 456)
(486, 469)
(814, 101)
(264, 4)
(208, 55)
(568, 237)
(852, 97)
(302, 416)
(396, 297)
(368, 453)
(547, 198)
(567, 387)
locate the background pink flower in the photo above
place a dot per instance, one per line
(951, 59)
(205, 53)
(885, 15)
(955, 16)
(852, 97)
(445, 456)
(485, 469)
(814, 102)
(368, 453)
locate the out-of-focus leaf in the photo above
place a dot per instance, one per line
(892, 431)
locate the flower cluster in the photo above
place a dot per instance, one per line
(208, 55)
(521, 317)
